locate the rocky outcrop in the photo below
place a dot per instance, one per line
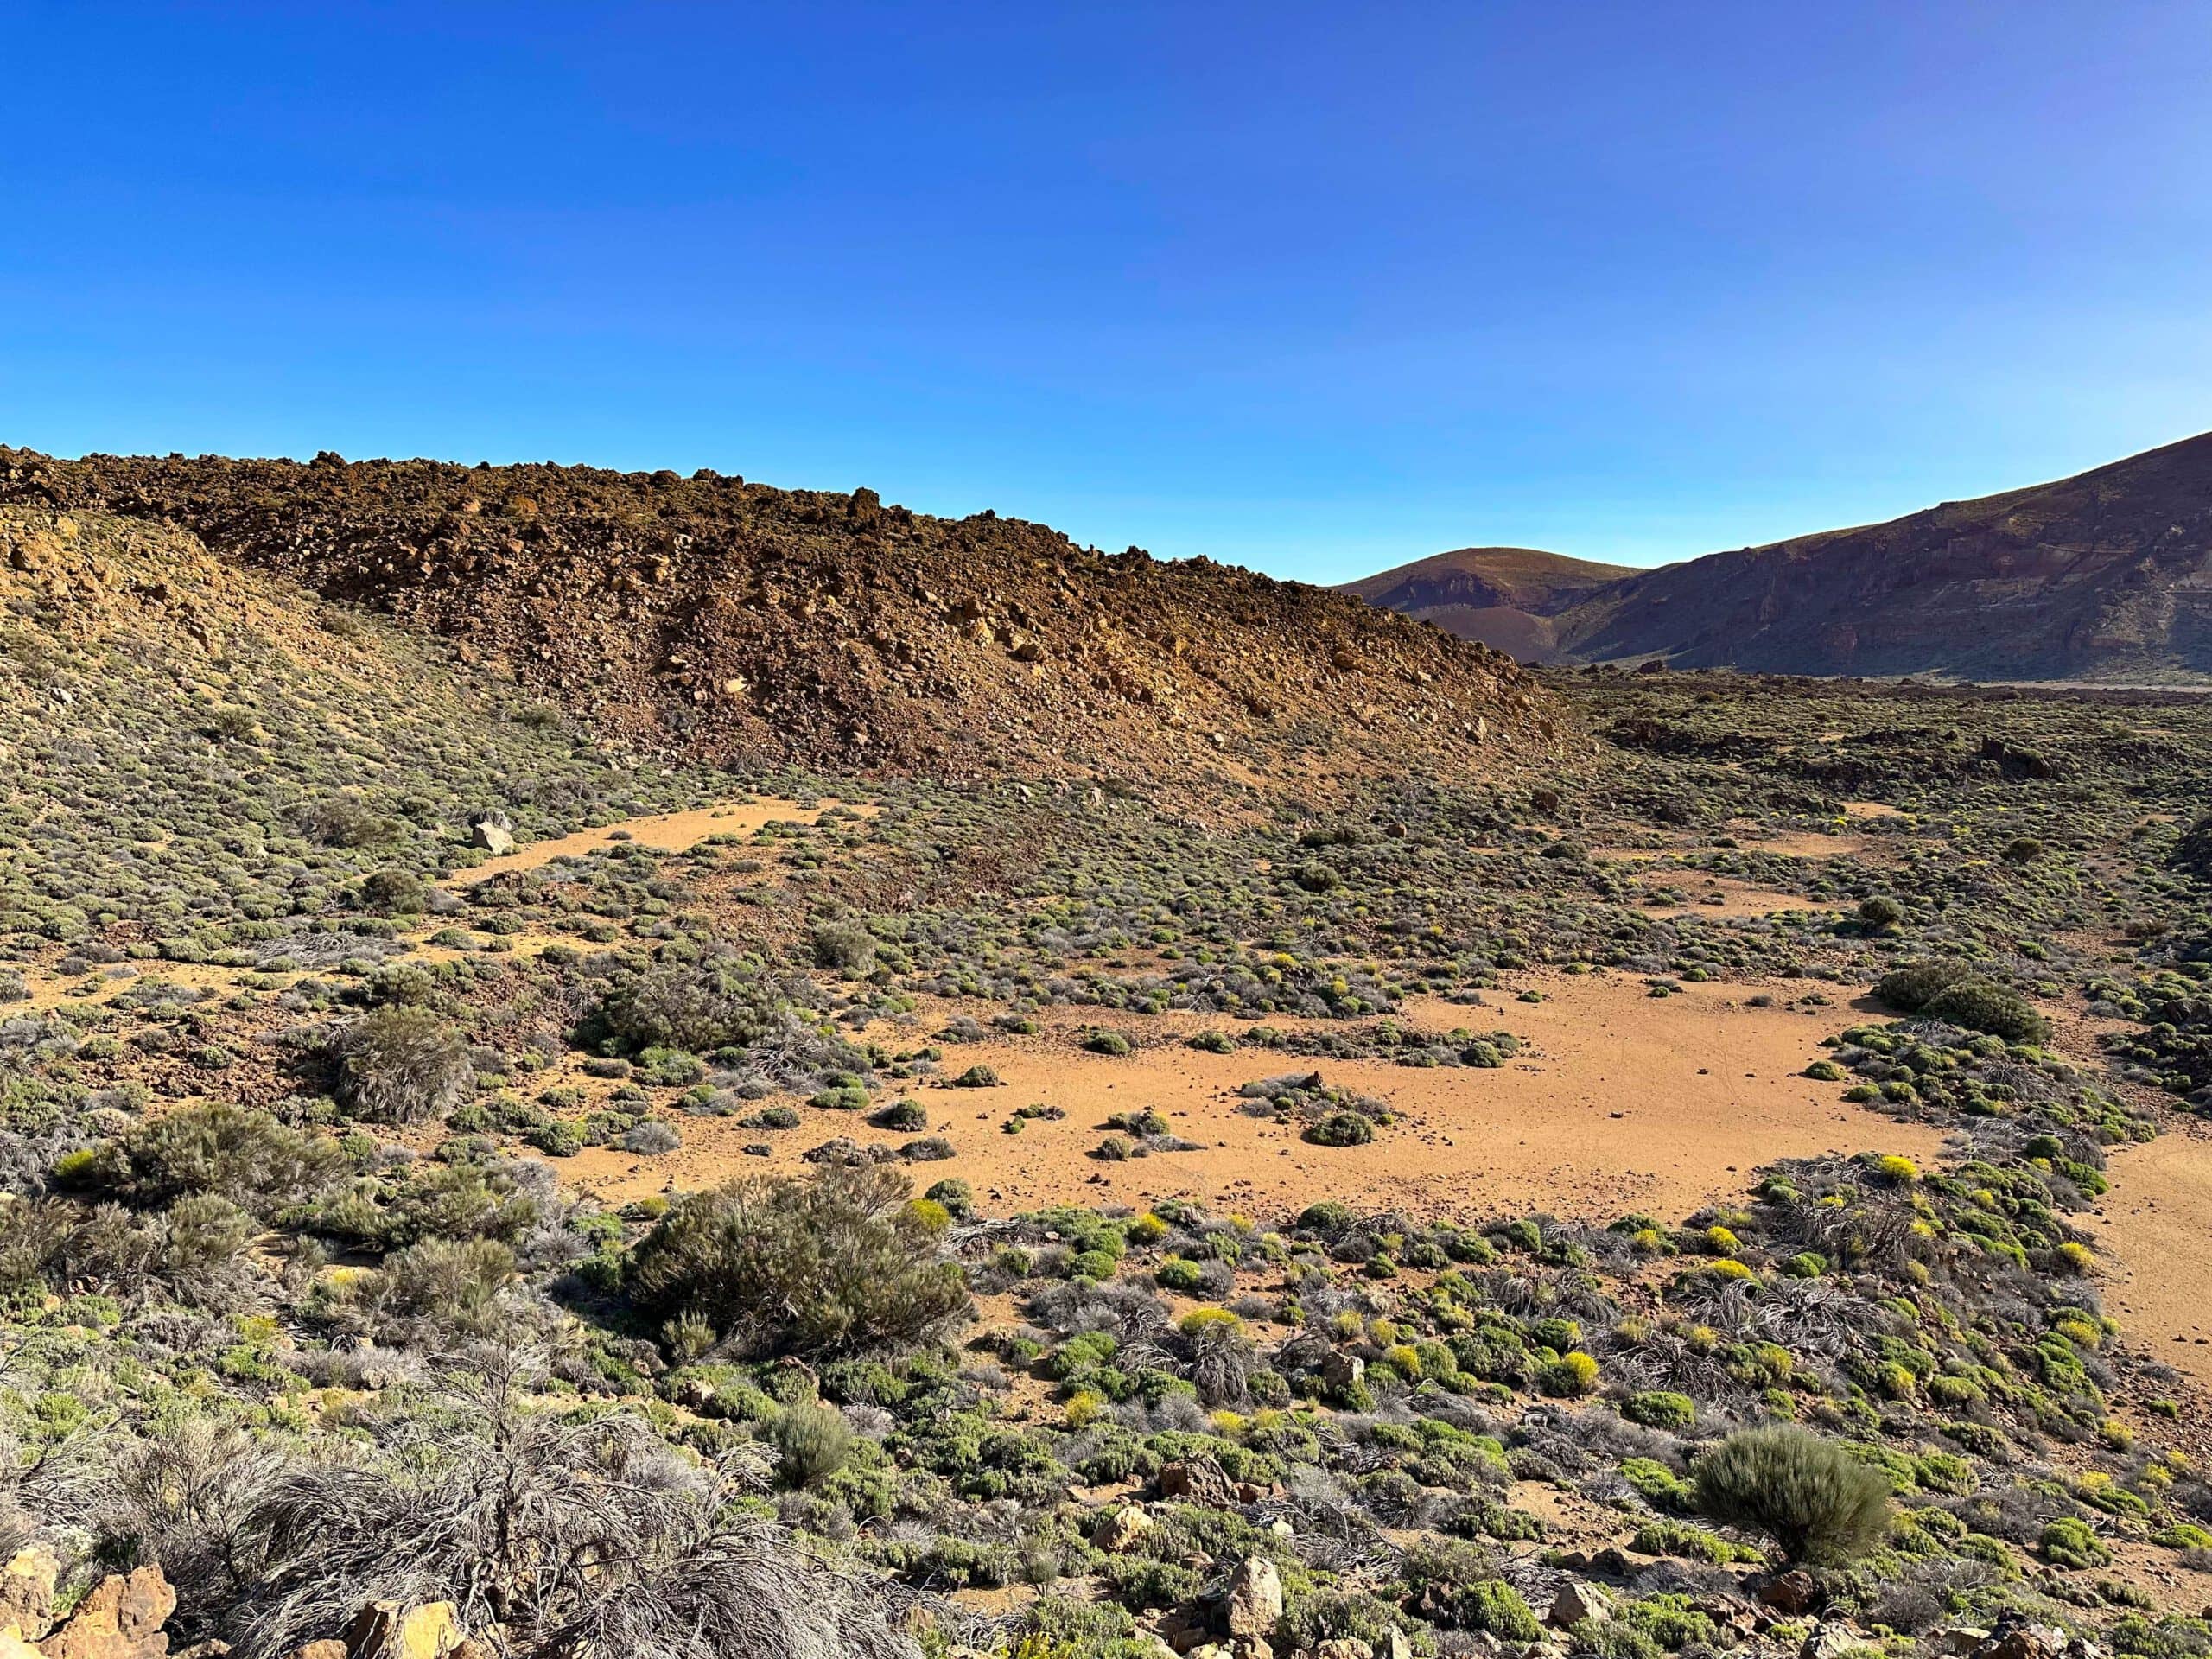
(734, 621)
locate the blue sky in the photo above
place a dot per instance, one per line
(1314, 288)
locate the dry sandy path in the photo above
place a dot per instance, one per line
(669, 832)
(2154, 1230)
(1625, 1102)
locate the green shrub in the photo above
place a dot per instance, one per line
(835, 1264)
(1979, 1005)
(246, 1156)
(722, 1000)
(1913, 986)
(812, 1442)
(1341, 1129)
(1811, 1495)
(2069, 1543)
(1660, 1409)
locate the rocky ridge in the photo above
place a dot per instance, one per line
(732, 621)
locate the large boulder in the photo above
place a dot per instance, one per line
(390, 1630)
(1577, 1601)
(27, 1592)
(1200, 1481)
(1254, 1599)
(121, 1618)
(1117, 1533)
(493, 835)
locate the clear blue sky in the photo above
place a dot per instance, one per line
(1313, 287)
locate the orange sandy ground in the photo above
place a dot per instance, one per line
(1622, 1102)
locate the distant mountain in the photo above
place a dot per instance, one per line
(2106, 576)
(1503, 596)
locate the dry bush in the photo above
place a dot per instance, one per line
(575, 1537)
(400, 1065)
(1812, 1496)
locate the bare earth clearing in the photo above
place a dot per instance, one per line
(2157, 1225)
(668, 832)
(1622, 1102)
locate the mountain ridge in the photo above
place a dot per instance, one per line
(2105, 575)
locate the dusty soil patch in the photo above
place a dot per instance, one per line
(1723, 896)
(671, 832)
(1624, 1102)
(2155, 1232)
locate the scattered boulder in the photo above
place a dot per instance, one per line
(390, 1629)
(1577, 1601)
(1792, 1594)
(491, 834)
(1117, 1533)
(1833, 1638)
(27, 1592)
(1254, 1599)
(121, 1618)
(2015, 1637)
(1197, 1480)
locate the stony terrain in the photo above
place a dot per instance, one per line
(2103, 577)
(731, 621)
(483, 1176)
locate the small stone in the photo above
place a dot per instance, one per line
(1577, 1601)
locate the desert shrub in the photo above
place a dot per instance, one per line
(650, 1138)
(471, 1502)
(845, 946)
(1913, 986)
(1341, 1129)
(400, 1065)
(453, 1281)
(395, 893)
(232, 1152)
(346, 821)
(955, 1194)
(2069, 1543)
(905, 1115)
(1978, 1004)
(812, 1441)
(1811, 1495)
(722, 1000)
(834, 1264)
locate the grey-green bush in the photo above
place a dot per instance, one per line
(1815, 1500)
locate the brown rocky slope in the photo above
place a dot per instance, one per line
(734, 621)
